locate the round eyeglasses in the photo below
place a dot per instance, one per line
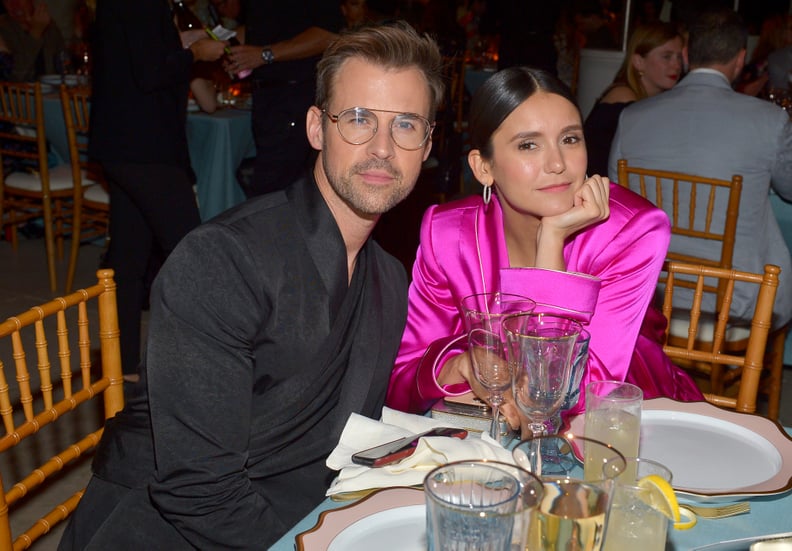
(357, 125)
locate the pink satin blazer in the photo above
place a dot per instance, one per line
(612, 271)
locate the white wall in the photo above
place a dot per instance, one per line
(596, 72)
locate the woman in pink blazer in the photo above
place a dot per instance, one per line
(545, 230)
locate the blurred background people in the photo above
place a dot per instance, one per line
(526, 33)
(437, 18)
(702, 126)
(598, 24)
(140, 81)
(355, 12)
(776, 33)
(779, 68)
(204, 93)
(282, 44)
(652, 64)
(32, 37)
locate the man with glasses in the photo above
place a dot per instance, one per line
(271, 324)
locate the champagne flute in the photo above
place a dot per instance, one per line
(485, 312)
(539, 348)
(491, 369)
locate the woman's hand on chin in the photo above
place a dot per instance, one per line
(590, 207)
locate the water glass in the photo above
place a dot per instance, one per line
(632, 522)
(579, 360)
(613, 416)
(479, 505)
(573, 511)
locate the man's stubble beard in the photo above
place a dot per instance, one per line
(364, 199)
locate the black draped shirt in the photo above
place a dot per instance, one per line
(258, 351)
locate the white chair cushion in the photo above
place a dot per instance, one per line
(97, 194)
(60, 179)
(680, 323)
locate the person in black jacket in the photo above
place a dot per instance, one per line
(271, 324)
(140, 83)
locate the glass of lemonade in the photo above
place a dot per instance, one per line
(613, 416)
(633, 523)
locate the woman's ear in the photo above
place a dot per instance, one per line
(313, 128)
(638, 62)
(482, 169)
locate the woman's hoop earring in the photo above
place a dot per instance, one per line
(487, 194)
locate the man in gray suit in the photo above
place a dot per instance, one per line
(703, 127)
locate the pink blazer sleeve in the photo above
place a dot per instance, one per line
(627, 260)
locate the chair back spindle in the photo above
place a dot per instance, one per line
(55, 403)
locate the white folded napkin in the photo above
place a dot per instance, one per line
(361, 433)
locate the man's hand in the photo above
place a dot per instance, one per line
(244, 57)
(39, 20)
(191, 36)
(207, 49)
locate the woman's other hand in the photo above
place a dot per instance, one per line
(459, 369)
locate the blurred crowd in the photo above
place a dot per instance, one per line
(50, 36)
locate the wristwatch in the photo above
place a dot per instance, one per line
(267, 56)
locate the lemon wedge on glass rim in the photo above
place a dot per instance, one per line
(659, 495)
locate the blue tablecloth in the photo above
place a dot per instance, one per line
(769, 515)
(783, 213)
(218, 143)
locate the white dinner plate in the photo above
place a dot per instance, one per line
(402, 528)
(391, 519)
(714, 454)
(55, 80)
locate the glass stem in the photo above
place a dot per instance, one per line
(495, 425)
(538, 428)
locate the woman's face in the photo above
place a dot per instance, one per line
(539, 157)
(661, 67)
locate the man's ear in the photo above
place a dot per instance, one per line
(313, 128)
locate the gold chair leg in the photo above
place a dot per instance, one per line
(75, 244)
(49, 243)
(776, 365)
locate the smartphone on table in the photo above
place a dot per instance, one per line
(394, 451)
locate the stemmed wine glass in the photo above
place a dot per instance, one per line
(539, 349)
(483, 314)
(491, 369)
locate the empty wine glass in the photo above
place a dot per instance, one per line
(491, 369)
(483, 314)
(539, 349)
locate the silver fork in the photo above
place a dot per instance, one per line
(719, 511)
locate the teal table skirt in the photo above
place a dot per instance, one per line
(218, 143)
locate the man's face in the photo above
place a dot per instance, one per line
(372, 177)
